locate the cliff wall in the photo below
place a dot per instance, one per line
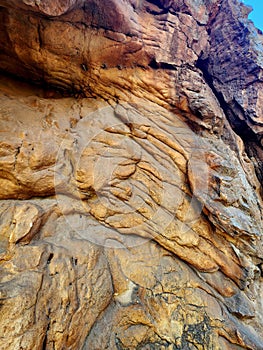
(130, 175)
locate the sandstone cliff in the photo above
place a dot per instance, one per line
(130, 175)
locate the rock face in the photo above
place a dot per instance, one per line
(131, 198)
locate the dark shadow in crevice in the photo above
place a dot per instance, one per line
(239, 126)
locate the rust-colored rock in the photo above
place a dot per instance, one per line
(131, 198)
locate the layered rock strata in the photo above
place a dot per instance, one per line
(131, 198)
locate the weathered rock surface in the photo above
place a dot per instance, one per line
(131, 198)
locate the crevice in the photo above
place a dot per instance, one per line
(157, 8)
(18, 149)
(238, 125)
(161, 65)
(39, 35)
(45, 342)
(50, 258)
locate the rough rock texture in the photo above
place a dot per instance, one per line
(131, 198)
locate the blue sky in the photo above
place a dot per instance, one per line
(257, 14)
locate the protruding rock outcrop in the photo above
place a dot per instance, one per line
(130, 175)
